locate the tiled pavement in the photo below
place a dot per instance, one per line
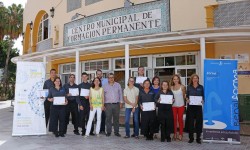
(74, 142)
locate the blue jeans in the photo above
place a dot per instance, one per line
(136, 121)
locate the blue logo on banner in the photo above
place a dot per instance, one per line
(221, 93)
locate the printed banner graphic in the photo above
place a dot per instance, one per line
(29, 116)
(221, 112)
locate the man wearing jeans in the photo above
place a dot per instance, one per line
(131, 94)
(113, 102)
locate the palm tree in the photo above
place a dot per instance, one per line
(12, 30)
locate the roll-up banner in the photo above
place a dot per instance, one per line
(221, 111)
(29, 118)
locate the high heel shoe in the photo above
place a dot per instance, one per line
(180, 137)
(174, 137)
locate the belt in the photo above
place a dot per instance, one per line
(112, 103)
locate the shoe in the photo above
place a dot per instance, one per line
(117, 134)
(103, 132)
(86, 136)
(136, 137)
(180, 137)
(56, 135)
(174, 137)
(92, 134)
(76, 133)
(133, 135)
(155, 136)
(191, 141)
(97, 135)
(62, 135)
(198, 141)
(168, 139)
(83, 134)
(126, 137)
(108, 134)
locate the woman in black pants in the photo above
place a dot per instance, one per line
(57, 112)
(165, 112)
(194, 112)
(147, 117)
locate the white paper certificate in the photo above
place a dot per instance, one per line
(166, 99)
(140, 80)
(59, 100)
(43, 93)
(84, 92)
(74, 91)
(148, 106)
(195, 100)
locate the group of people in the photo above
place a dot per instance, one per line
(106, 97)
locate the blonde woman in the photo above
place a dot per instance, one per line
(178, 107)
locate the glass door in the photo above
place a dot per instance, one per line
(185, 73)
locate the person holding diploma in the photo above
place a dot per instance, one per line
(165, 112)
(156, 88)
(72, 108)
(146, 98)
(178, 107)
(131, 94)
(83, 102)
(139, 85)
(96, 97)
(47, 85)
(194, 112)
(57, 95)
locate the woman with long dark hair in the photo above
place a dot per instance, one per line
(96, 100)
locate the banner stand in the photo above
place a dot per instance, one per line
(28, 116)
(221, 108)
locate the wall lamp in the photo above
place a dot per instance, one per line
(52, 12)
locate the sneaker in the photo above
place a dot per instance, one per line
(86, 136)
(126, 137)
(136, 137)
(76, 133)
(62, 135)
(133, 135)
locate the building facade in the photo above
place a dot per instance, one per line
(165, 36)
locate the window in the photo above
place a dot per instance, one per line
(89, 2)
(43, 32)
(133, 63)
(176, 60)
(92, 66)
(73, 5)
(69, 68)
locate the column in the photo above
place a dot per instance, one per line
(202, 57)
(77, 80)
(126, 63)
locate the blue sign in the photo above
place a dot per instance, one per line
(221, 111)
